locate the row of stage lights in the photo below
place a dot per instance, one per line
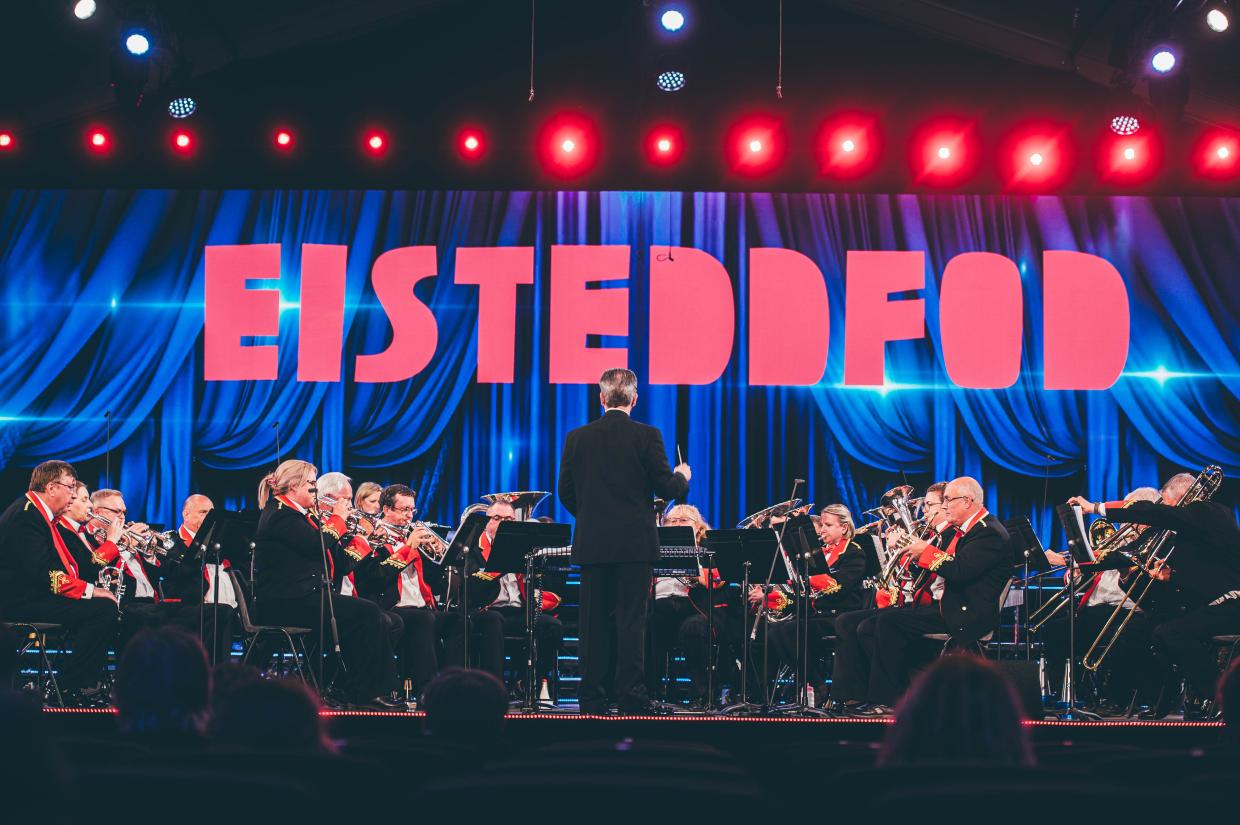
(943, 152)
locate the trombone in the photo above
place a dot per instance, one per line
(1104, 538)
(1203, 488)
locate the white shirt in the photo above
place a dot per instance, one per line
(509, 592)
(228, 596)
(1109, 591)
(666, 587)
(410, 592)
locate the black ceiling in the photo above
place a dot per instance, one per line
(421, 68)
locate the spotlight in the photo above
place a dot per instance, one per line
(137, 44)
(1036, 156)
(944, 152)
(1130, 153)
(1218, 154)
(664, 145)
(670, 81)
(568, 145)
(84, 9)
(1036, 159)
(376, 143)
(470, 144)
(182, 107)
(1217, 18)
(1125, 125)
(755, 145)
(1130, 160)
(182, 141)
(98, 141)
(6, 140)
(672, 20)
(847, 145)
(1163, 60)
(284, 139)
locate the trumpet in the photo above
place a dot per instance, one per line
(1203, 488)
(432, 546)
(150, 545)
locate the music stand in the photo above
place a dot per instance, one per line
(680, 557)
(222, 533)
(1080, 551)
(462, 554)
(513, 552)
(1028, 554)
(735, 554)
(805, 546)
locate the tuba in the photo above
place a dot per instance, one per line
(1203, 488)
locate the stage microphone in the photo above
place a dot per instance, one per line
(275, 425)
(797, 481)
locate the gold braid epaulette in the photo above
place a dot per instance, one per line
(96, 558)
(827, 591)
(781, 601)
(58, 578)
(394, 560)
(349, 551)
(485, 576)
(329, 530)
(939, 560)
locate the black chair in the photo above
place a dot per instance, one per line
(982, 644)
(293, 638)
(34, 635)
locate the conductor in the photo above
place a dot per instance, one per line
(610, 470)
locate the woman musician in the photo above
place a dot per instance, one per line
(680, 618)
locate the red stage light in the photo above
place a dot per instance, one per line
(664, 145)
(1130, 159)
(376, 143)
(470, 144)
(755, 145)
(6, 140)
(284, 139)
(183, 141)
(1036, 156)
(568, 145)
(98, 141)
(848, 145)
(945, 152)
(1217, 154)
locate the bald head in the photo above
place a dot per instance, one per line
(195, 510)
(962, 498)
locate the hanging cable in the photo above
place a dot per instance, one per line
(532, 9)
(779, 77)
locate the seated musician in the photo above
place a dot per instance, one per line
(975, 566)
(291, 568)
(41, 580)
(366, 498)
(1102, 591)
(680, 618)
(191, 580)
(506, 613)
(835, 587)
(854, 630)
(394, 577)
(1204, 569)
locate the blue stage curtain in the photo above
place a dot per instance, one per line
(102, 296)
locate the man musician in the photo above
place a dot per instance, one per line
(1205, 568)
(974, 565)
(610, 469)
(41, 580)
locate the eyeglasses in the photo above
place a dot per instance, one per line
(408, 509)
(950, 499)
(70, 486)
(503, 518)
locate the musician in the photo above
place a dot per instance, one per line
(367, 498)
(974, 565)
(186, 580)
(506, 614)
(42, 581)
(289, 570)
(610, 469)
(394, 577)
(679, 615)
(1205, 568)
(835, 586)
(854, 630)
(1097, 599)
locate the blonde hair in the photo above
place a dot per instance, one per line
(690, 512)
(365, 489)
(844, 515)
(284, 478)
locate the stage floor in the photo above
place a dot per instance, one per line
(729, 733)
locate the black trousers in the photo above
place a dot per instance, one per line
(363, 639)
(854, 649)
(677, 622)
(1186, 641)
(1126, 666)
(784, 644)
(896, 633)
(494, 623)
(426, 631)
(614, 600)
(92, 627)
